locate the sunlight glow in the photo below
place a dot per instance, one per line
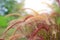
(38, 5)
(19, 1)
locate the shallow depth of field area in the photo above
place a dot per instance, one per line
(29, 19)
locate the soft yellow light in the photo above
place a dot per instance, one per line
(38, 5)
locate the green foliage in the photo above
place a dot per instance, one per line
(58, 20)
(4, 21)
(12, 6)
(57, 10)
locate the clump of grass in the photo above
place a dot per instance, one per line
(30, 25)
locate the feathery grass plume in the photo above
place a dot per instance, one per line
(35, 13)
(19, 15)
(15, 23)
(37, 23)
(30, 26)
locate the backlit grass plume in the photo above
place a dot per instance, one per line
(32, 27)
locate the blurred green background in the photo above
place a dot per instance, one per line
(9, 7)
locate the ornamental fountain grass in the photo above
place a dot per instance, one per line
(33, 27)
